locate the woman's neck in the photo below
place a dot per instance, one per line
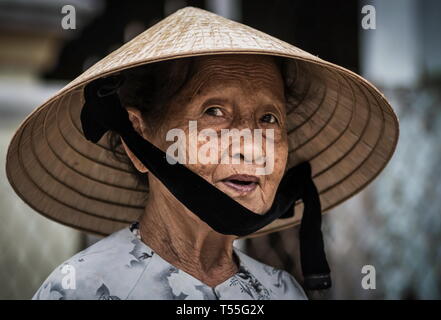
(186, 242)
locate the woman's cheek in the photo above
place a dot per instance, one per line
(205, 170)
(280, 161)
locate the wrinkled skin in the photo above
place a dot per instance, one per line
(226, 92)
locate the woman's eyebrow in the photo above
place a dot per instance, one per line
(215, 100)
(272, 106)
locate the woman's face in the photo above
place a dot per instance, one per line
(227, 92)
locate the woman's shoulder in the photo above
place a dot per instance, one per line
(279, 282)
(97, 271)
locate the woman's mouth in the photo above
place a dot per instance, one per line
(242, 183)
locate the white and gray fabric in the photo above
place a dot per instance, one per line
(121, 266)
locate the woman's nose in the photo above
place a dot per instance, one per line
(247, 151)
(247, 142)
(244, 121)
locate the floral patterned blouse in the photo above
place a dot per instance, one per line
(121, 266)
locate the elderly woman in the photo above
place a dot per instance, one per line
(182, 256)
(188, 213)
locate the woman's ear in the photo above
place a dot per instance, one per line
(137, 120)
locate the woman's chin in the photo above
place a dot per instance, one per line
(254, 203)
(250, 199)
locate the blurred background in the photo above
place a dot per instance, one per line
(393, 225)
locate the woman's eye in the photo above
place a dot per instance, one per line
(269, 118)
(214, 111)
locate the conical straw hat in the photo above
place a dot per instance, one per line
(342, 124)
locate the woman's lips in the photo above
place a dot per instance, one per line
(242, 183)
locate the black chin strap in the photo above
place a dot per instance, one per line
(102, 111)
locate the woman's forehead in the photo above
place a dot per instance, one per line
(230, 65)
(252, 72)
